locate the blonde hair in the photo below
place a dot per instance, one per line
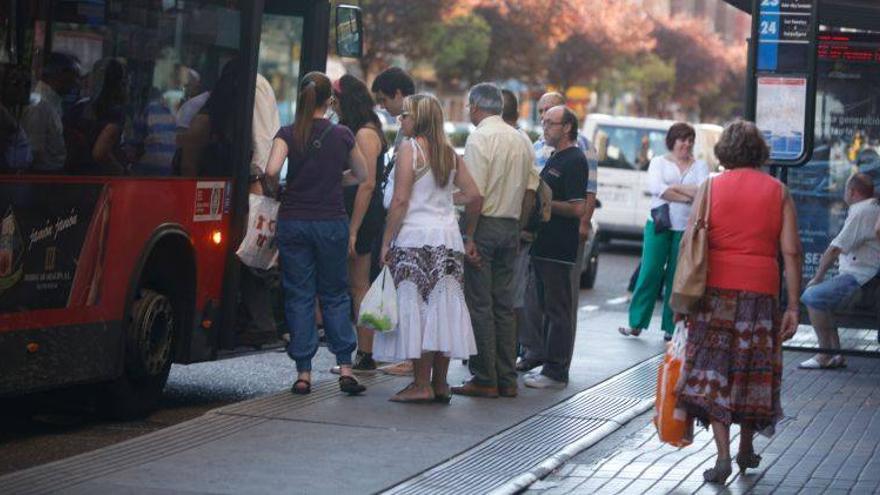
(427, 115)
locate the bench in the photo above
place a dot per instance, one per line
(864, 309)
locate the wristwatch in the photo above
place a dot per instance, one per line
(255, 178)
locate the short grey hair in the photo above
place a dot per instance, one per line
(486, 97)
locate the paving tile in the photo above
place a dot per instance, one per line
(827, 441)
(841, 485)
(638, 487)
(565, 486)
(685, 488)
(589, 486)
(761, 488)
(865, 487)
(655, 472)
(613, 487)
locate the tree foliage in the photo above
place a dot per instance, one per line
(460, 48)
(394, 28)
(701, 59)
(652, 80)
(612, 45)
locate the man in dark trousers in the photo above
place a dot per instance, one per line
(554, 252)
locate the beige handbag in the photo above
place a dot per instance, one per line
(689, 285)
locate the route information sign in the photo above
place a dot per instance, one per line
(783, 76)
(784, 35)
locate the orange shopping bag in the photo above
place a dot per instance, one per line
(673, 424)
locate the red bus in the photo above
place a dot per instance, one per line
(113, 262)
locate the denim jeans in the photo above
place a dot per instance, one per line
(832, 293)
(314, 263)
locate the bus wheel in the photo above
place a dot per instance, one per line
(149, 341)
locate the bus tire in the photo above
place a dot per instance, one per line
(149, 344)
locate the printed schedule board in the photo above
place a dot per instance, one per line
(782, 122)
(783, 75)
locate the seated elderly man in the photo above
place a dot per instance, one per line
(858, 249)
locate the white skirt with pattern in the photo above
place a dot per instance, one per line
(433, 315)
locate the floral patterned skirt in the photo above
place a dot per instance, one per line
(432, 313)
(733, 368)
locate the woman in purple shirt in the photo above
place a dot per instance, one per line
(313, 230)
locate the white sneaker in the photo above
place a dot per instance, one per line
(541, 381)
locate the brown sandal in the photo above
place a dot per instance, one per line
(350, 385)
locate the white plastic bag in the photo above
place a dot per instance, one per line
(259, 248)
(677, 349)
(379, 307)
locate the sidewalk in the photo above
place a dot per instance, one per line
(327, 443)
(827, 443)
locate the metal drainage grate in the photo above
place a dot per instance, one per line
(84, 467)
(277, 404)
(490, 464)
(216, 424)
(594, 406)
(557, 432)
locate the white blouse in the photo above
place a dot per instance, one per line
(663, 173)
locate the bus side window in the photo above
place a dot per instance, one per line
(207, 144)
(136, 124)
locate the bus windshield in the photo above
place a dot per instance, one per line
(629, 148)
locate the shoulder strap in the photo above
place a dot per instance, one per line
(417, 152)
(314, 145)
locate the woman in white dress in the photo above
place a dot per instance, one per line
(423, 248)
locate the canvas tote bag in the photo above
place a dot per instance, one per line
(689, 284)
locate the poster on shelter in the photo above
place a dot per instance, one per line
(847, 138)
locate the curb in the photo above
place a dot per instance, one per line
(539, 472)
(510, 461)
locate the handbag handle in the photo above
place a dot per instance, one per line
(704, 201)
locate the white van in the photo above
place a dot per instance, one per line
(626, 146)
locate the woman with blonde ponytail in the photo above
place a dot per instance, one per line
(423, 247)
(313, 230)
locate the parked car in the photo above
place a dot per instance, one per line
(626, 146)
(591, 256)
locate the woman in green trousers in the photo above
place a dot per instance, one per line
(673, 181)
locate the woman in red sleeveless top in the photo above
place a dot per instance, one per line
(733, 369)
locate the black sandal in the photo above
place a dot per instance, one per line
(350, 386)
(304, 390)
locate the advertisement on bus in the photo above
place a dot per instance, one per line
(50, 251)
